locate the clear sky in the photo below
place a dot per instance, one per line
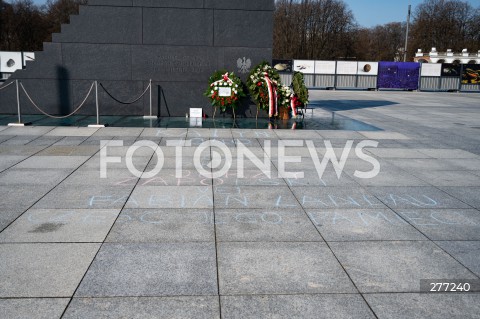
(369, 13)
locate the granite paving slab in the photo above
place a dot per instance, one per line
(311, 178)
(16, 176)
(145, 308)
(336, 134)
(27, 130)
(7, 161)
(119, 131)
(342, 306)
(218, 133)
(464, 163)
(45, 141)
(362, 225)
(398, 153)
(72, 131)
(444, 224)
(173, 269)
(425, 164)
(9, 215)
(33, 308)
(70, 141)
(248, 142)
(4, 138)
(169, 177)
(70, 150)
(139, 162)
(261, 225)
(280, 268)
(25, 150)
(384, 135)
(449, 178)
(164, 132)
(396, 266)
(57, 162)
(425, 306)
(196, 197)
(448, 153)
(254, 133)
(114, 177)
(63, 226)
(138, 150)
(298, 134)
(466, 252)
(201, 132)
(251, 177)
(336, 197)
(391, 176)
(95, 140)
(90, 196)
(415, 197)
(21, 197)
(43, 270)
(468, 195)
(248, 197)
(21, 140)
(165, 225)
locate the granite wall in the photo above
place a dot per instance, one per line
(124, 43)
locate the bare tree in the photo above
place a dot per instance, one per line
(24, 26)
(445, 24)
(58, 12)
(313, 29)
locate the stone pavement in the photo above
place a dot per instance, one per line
(73, 245)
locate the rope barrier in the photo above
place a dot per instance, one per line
(6, 86)
(53, 116)
(126, 103)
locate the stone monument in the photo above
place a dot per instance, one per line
(123, 44)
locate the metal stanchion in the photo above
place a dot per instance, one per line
(150, 116)
(18, 109)
(98, 125)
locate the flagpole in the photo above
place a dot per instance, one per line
(406, 36)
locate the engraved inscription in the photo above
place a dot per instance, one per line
(181, 64)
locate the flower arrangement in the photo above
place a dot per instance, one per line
(224, 91)
(284, 96)
(262, 85)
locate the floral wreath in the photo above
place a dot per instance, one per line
(288, 99)
(224, 90)
(263, 85)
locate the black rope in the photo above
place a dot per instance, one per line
(124, 103)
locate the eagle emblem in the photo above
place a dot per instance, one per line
(244, 65)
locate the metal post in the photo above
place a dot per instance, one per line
(406, 36)
(19, 123)
(151, 116)
(97, 108)
(18, 103)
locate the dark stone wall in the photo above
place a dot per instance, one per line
(124, 43)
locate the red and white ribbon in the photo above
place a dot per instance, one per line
(272, 97)
(293, 104)
(225, 78)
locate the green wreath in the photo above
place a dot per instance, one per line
(299, 87)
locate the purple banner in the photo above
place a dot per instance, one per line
(398, 75)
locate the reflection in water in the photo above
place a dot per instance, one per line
(326, 121)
